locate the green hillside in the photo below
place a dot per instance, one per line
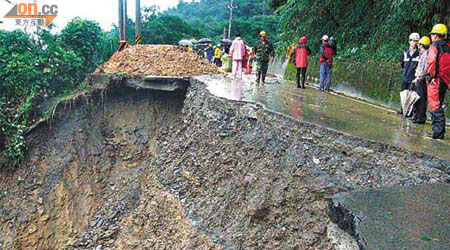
(365, 29)
(212, 16)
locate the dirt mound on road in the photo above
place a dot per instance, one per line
(158, 60)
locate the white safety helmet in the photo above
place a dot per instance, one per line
(414, 36)
(325, 37)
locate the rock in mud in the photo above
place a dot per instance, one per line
(190, 187)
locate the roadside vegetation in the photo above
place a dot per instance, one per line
(39, 70)
(365, 29)
(36, 69)
(212, 16)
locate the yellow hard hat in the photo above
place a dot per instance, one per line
(425, 40)
(263, 33)
(440, 29)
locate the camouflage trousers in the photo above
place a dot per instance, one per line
(262, 66)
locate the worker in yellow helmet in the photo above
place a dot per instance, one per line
(440, 29)
(217, 56)
(420, 86)
(263, 51)
(438, 78)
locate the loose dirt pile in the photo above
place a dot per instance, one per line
(157, 60)
(141, 169)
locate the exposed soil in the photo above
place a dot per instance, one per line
(156, 170)
(157, 60)
(88, 181)
(253, 179)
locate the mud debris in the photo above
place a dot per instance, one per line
(157, 60)
(158, 170)
(259, 180)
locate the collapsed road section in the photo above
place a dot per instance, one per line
(413, 217)
(141, 168)
(254, 179)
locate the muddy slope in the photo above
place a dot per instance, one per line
(154, 170)
(88, 181)
(253, 179)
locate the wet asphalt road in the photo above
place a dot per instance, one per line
(330, 110)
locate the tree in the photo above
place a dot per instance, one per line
(211, 16)
(377, 29)
(41, 68)
(83, 37)
(165, 29)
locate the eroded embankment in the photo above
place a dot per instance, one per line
(254, 179)
(88, 180)
(140, 170)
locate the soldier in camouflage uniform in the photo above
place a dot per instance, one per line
(264, 50)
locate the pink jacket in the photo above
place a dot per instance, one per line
(237, 50)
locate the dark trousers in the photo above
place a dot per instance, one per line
(420, 106)
(406, 85)
(301, 72)
(218, 62)
(438, 116)
(261, 68)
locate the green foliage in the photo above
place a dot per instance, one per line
(368, 29)
(83, 37)
(165, 29)
(109, 44)
(426, 238)
(35, 69)
(160, 29)
(212, 16)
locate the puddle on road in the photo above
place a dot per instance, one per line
(331, 110)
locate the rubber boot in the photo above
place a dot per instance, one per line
(438, 124)
(298, 83)
(258, 76)
(263, 77)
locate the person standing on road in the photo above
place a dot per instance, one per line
(419, 83)
(245, 58)
(209, 53)
(251, 59)
(237, 53)
(438, 78)
(263, 52)
(326, 64)
(301, 61)
(217, 56)
(409, 63)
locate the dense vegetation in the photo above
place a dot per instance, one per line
(211, 16)
(161, 28)
(38, 70)
(365, 29)
(35, 68)
(44, 67)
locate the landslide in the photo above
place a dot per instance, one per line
(255, 179)
(88, 182)
(140, 169)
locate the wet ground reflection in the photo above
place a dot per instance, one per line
(330, 110)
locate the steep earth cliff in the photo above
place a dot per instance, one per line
(141, 169)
